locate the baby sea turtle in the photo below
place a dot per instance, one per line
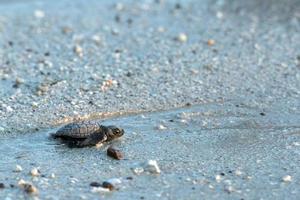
(87, 133)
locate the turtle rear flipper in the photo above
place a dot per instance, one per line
(89, 141)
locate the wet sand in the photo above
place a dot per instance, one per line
(208, 89)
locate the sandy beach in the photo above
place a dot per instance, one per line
(209, 90)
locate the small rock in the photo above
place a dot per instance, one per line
(114, 153)
(108, 185)
(211, 42)
(218, 178)
(34, 104)
(161, 127)
(18, 168)
(78, 50)
(73, 180)
(52, 175)
(112, 183)
(42, 89)
(182, 37)
(238, 173)
(152, 167)
(21, 182)
(35, 172)
(28, 187)
(262, 114)
(188, 104)
(137, 170)
(95, 184)
(229, 189)
(96, 39)
(2, 185)
(18, 82)
(287, 178)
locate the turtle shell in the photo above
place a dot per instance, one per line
(78, 129)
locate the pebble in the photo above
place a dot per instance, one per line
(96, 39)
(218, 178)
(112, 183)
(229, 189)
(211, 42)
(78, 50)
(21, 182)
(238, 173)
(287, 178)
(28, 187)
(73, 180)
(161, 127)
(42, 89)
(34, 104)
(35, 172)
(182, 37)
(18, 168)
(18, 82)
(114, 153)
(52, 175)
(138, 170)
(95, 184)
(2, 185)
(152, 167)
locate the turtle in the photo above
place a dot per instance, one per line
(87, 133)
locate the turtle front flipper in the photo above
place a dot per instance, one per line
(92, 140)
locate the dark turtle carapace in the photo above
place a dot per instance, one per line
(87, 133)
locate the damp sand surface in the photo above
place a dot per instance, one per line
(209, 151)
(208, 89)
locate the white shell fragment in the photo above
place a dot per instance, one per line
(18, 168)
(218, 178)
(35, 172)
(152, 167)
(287, 178)
(138, 170)
(99, 190)
(182, 37)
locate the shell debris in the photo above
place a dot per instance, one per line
(35, 172)
(152, 167)
(28, 187)
(287, 178)
(18, 168)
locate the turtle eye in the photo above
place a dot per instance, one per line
(117, 131)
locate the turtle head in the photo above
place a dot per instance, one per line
(114, 132)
